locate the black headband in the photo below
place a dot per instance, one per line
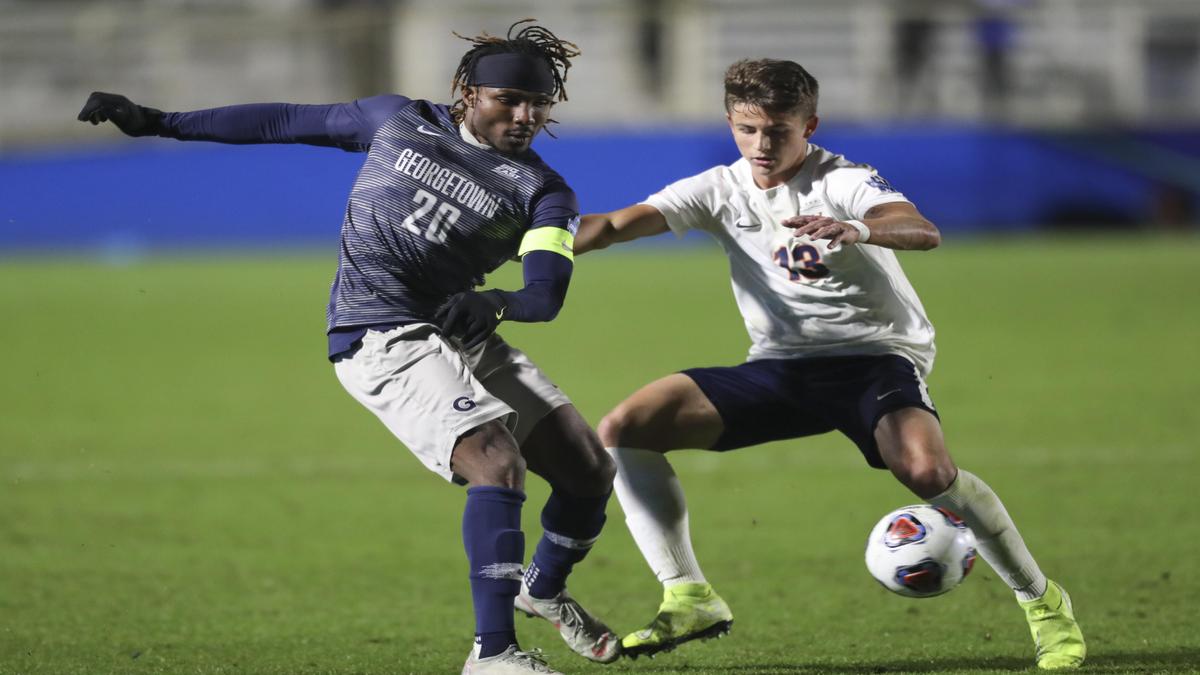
(513, 71)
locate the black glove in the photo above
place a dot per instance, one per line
(129, 117)
(471, 317)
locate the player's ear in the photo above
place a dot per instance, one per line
(810, 127)
(469, 96)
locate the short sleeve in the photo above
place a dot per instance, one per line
(857, 189)
(690, 203)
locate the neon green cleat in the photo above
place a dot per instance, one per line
(1056, 634)
(689, 611)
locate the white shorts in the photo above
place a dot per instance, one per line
(429, 392)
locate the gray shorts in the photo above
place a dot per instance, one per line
(428, 391)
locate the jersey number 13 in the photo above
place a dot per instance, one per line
(802, 262)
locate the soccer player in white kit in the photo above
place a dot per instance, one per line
(840, 341)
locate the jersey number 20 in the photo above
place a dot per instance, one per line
(439, 226)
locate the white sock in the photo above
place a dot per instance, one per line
(999, 542)
(656, 513)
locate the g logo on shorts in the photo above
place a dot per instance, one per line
(463, 404)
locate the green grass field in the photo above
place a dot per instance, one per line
(185, 488)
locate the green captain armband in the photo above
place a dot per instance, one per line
(553, 239)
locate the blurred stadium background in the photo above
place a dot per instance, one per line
(185, 488)
(991, 114)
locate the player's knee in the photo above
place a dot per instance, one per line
(601, 470)
(617, 428)
(926, 476)
(609, 429)
(506, 469)
(591, 474)
(509, 468)
(491, 458)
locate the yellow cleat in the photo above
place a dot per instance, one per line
(689, 611)
(1056, 634)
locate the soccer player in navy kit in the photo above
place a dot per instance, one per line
(446, 195)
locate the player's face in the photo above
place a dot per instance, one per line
(506, 119)
(775, 145)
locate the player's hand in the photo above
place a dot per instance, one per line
(133, 119)
(471, 317)
(823, 227)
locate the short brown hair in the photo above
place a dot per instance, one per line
(775, 86)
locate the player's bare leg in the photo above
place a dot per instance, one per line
(488, 458)
(667, 414)
(564, 450)
(670, 413)
(911, 444)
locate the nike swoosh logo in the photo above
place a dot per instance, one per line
(883, 396)
(500, 313)
(427, 131)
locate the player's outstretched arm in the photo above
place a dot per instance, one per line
(601, 230)
(895, 225)
(346, 125)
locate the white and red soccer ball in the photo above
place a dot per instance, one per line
(920, 551)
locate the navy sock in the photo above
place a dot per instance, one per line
(571, 525)
(495, 548)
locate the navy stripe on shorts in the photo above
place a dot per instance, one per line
(777, 399)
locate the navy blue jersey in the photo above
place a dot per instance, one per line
(429, 214)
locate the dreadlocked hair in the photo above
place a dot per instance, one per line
(534, 40)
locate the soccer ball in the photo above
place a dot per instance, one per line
(920, 551)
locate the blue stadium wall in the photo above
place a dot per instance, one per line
(157, 193)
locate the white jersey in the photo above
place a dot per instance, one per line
(798, 298)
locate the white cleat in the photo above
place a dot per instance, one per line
(585, 634)
(509, 662)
